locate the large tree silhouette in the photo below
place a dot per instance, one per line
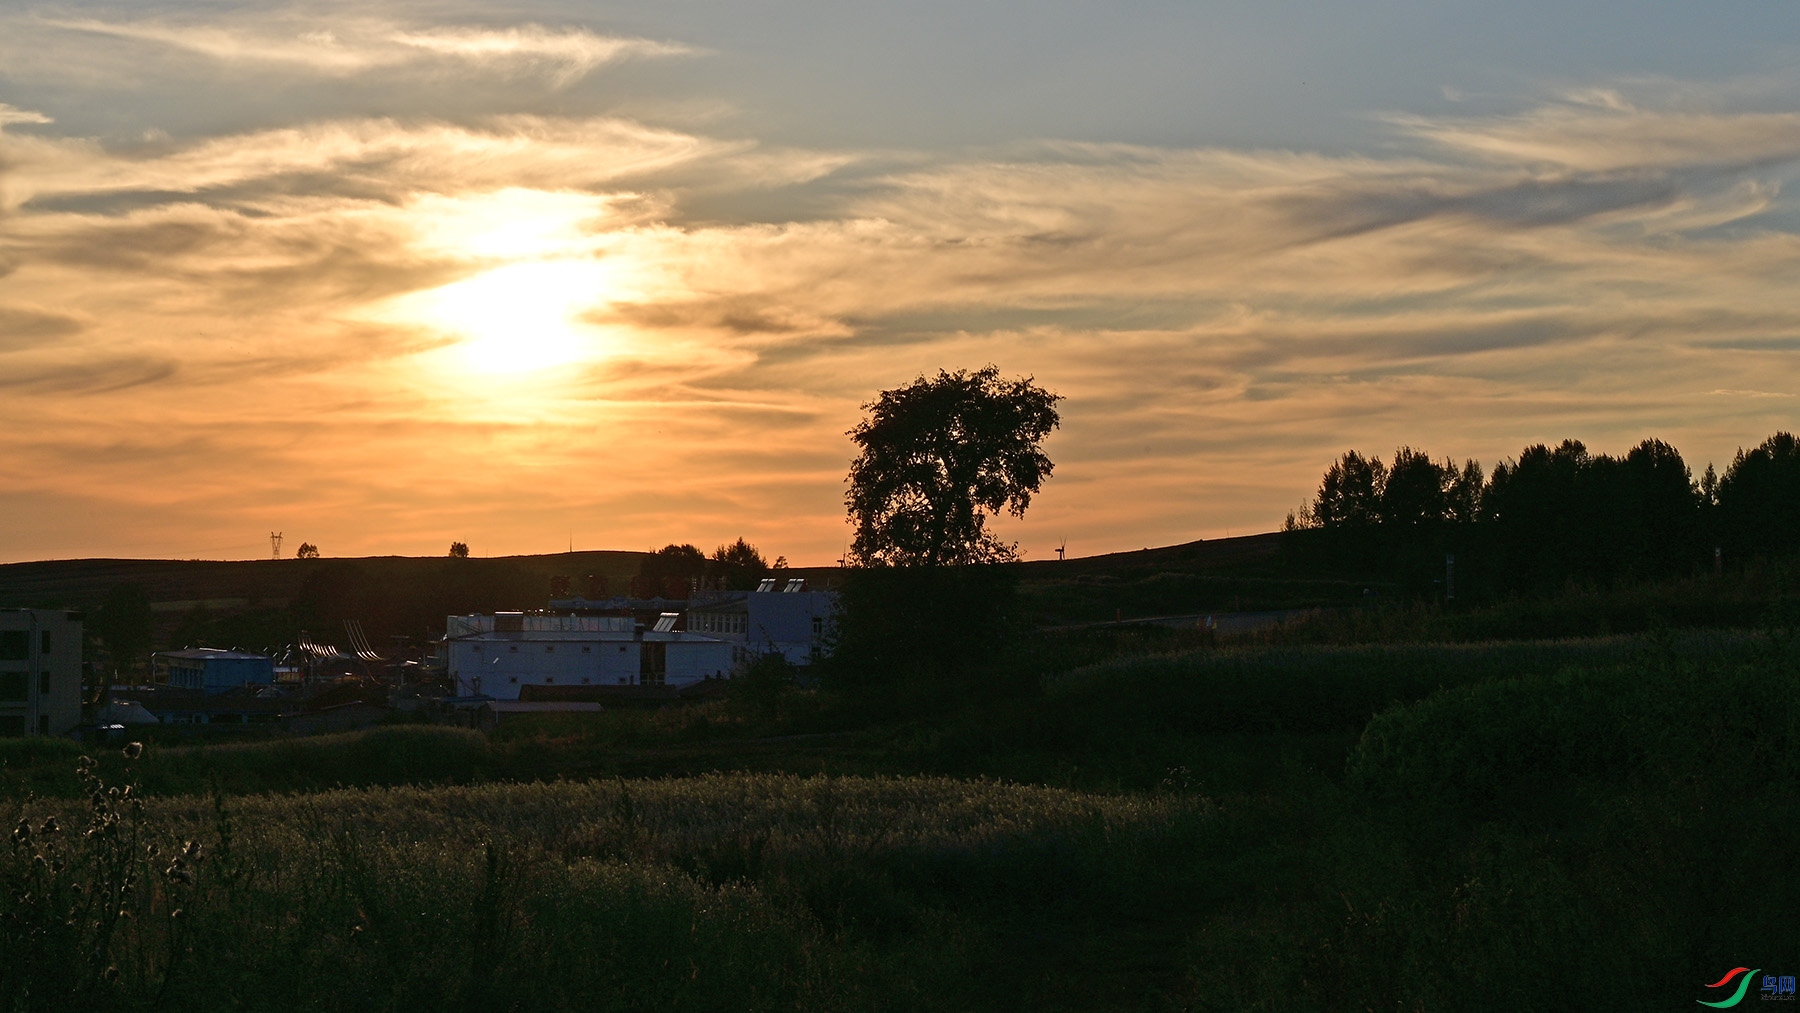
(937, 457)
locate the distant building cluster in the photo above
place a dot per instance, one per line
(580, 654)
(590, 649)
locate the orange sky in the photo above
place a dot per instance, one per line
(548, 320)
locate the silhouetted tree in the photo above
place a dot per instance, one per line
(1416, 493)
(666, 572)
(1538, 513)
(459, 550)
(737, 566)
(936, 458)
(1551, 515)
(1462, 499)
(939, 455)
(1657, 512)
(123, 624)
(307, 551)
(1759, 498)
(1350, 494)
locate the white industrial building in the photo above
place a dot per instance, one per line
(779, 617)
(498, 655)
(40, 671)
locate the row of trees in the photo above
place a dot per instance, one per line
(736, 567)
(1559, 512)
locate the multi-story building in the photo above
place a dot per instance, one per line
(40, 671)
(787, 620)
(498, 655)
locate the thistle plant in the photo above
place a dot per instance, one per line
(77, 906)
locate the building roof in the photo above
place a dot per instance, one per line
(213, 654)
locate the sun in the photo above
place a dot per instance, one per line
(521, 317)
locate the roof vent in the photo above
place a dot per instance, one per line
(766, 584)
(665, 623)
(797, 584)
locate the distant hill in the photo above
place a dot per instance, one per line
(245, 602)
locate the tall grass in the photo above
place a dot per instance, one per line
(719, 892)
(1511, 826)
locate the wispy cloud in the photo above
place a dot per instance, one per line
(341, 46)
(10, 115)
(294, 299)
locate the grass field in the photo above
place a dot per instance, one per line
(1476, 826)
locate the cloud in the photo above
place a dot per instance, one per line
(11, 114)
(1605, 133)
(23, 327)
(86, 378)
(1223, 322)
(344, 46)
(371, 157)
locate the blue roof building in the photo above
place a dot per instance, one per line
(212, 670)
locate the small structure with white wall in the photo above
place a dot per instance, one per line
(495, 656)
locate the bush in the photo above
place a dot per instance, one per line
(908, 638)
(1479, 749)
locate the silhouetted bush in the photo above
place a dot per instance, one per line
(920, 636)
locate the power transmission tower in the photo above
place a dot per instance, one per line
(274, 545)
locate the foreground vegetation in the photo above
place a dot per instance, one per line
(1160, 824)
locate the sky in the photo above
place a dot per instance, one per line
(544, 275)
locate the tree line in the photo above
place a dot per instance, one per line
(1555, 514)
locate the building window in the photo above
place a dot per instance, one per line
(44, 642)
(514, 680)
(14, 724)
(43, 684)
(548, 679)
(474, 648)
(43, 724)
(12, 687)
(621, 648)
(818, 625)
(585, 680)
(587, 650)
(514, 648)
(15, 645)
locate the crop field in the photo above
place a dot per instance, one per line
(1497, 826)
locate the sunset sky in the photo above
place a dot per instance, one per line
(384, 275)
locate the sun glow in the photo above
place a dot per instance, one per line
(517, 318)
(541, 264)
